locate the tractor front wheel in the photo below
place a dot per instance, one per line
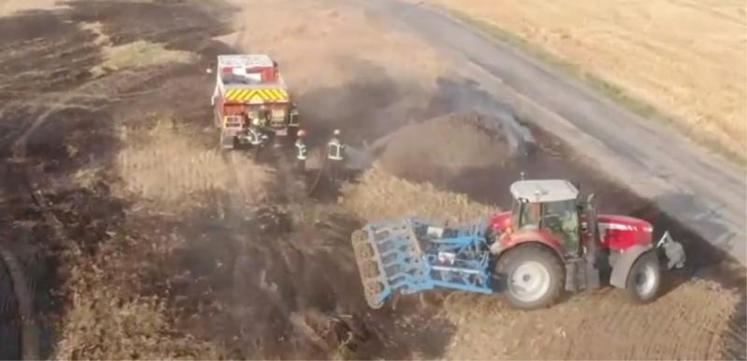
(644, 278)
(532, 277)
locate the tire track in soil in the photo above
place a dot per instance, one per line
(55, 36)
(275, 258)
(16, 175)
(10, 332)
(19, 169)
(305, 289)
(22, 178)
(17, 182)
(24, 301)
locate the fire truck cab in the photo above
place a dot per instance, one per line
(251, 96)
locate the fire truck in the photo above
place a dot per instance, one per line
(251, 102)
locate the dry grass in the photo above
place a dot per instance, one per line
(380, 195)
(8, 7)
(108, 320)
(677, 326)
(169, 168)
(139, 54)
(685, 58)
(87, 177)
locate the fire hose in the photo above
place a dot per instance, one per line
(318, 177)
(366, 153)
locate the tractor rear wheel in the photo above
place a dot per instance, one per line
(532, 277)
(644, 278)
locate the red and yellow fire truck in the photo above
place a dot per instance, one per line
(251, 101)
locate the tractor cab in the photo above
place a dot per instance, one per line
(548, 207)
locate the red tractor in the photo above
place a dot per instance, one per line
(549, 242)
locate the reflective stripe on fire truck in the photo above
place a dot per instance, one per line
(248, 95)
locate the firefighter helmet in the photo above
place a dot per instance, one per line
(336, 132)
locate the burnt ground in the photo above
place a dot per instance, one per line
(58, 119)
(259, 281)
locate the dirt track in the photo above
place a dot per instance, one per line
(125, 162)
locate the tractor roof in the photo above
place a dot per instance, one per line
(544, 190)
(245, 61)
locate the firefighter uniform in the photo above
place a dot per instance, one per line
(335, 147)
(255, 136)
(335, 152)
(301, 151)
(250, 127)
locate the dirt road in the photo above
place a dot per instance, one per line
(699, 189)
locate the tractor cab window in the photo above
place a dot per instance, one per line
(562, 219)
(526, 215)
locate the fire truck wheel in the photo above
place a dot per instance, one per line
(644, 278)
(531, 276)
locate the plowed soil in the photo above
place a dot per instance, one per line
(140, 240)
(450, 145)
(603, 326)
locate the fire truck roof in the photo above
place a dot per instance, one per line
(245, 61)
(544, 190)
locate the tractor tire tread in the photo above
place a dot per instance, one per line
(546, 256)
(630, 289)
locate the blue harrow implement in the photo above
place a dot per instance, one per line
(413, 255)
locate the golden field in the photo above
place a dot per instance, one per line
(686, 58)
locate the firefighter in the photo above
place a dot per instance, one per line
(259, 120)
(254, 130)
(300, 150)
(335, 151)
(255, 136)
(335, 147)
